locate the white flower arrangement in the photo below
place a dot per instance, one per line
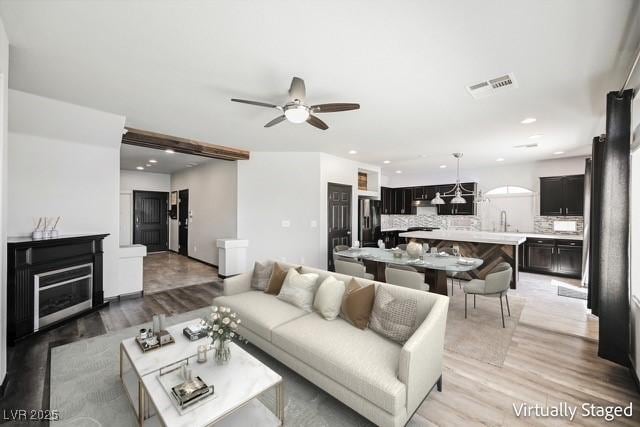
(222, 324)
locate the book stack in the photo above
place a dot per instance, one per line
(195, 331)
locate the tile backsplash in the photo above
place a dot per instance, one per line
(544, 224)
(446, 222)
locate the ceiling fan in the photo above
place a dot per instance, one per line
(296, 111)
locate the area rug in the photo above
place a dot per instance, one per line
(86, 388)
(578, 293)
(481, 335)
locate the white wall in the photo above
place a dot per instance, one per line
(635, 238)
(64, 160)
(131, 181)
(212, 205)
(4, 78)
(276, 187)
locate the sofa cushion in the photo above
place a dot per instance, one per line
(328, 298)
(260, 312)
(394, 318)
(360, 360)
(299, 289)
(357, 303)
(261, 275)
(278, 275)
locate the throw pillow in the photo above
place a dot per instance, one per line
(392, 317)
(329, 298)
(261, 275)
(357, 303)
(277, 278)
(298, 289)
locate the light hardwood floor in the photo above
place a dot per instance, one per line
(541, 366)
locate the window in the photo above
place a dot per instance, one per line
(508, 189)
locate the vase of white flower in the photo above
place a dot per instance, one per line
(222, 325)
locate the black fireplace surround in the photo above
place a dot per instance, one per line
(52, 280)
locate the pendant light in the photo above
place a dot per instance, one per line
(457, 191)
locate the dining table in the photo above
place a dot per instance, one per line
(436, 266)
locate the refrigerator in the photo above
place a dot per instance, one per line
(369, 227)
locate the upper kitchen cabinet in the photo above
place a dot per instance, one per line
(562, 195)
(402, 201)
(386, 194)
(449, 208)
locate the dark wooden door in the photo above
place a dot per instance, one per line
(552, 196)
(150, 220)
(183, 222)
(338, 218)
(574, 195)
(540, 257)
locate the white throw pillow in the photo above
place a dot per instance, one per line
(329, 298)
(299, 289)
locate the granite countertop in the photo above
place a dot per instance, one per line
(386, 230)
(486, 236)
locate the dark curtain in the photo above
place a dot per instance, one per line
(587, 222)
(610, 227)
(597, 156)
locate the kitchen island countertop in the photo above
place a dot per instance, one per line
(497, 238)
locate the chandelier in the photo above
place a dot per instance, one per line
(458, 190)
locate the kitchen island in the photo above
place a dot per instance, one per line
(492, 248)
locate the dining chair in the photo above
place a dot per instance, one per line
(496, 283)
(451, 273)
(406, 276)
(352, 268)
(402, 246)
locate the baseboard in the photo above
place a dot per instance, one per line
(131, 295)
(634, 375)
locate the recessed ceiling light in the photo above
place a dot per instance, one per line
(189, 166)
(443, 166)
(536, 136)
(140, 168)
(153, 161)
(148, 165)
(386, 162)
(528, 120)
(499, 159)
(558, 152)
(398, 171)
(169, 151)
(353, 152)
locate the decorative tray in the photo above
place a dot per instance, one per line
(186, 395)
(153, 343)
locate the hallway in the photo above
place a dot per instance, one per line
(169, 270)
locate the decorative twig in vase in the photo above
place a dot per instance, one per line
(222, 325)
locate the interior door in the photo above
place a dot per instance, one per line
(150, 220)
(183, 222)
(338, 218)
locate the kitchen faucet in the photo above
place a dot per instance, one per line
(503, 220)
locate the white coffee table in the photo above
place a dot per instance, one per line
(237, 384)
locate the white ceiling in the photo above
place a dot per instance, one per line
(132, 156)
(171, 67)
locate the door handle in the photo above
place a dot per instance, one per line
(349, 232)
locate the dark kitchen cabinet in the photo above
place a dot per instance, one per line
(402, 201)
(387, 200)
(550, 256)
(569, 258)
(562, 195)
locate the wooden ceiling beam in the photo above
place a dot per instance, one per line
(143, 138)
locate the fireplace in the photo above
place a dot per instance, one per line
(51, 281)
(61, 293)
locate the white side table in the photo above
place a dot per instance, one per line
(232, 256)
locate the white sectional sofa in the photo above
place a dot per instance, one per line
(380, 379)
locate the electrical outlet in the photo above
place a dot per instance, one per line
(195, 248)
(314, 223)
(286, 223)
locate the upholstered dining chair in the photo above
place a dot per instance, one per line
(352, 268)
(340, 248)
(453, 275)
(406, 276)
(495, 284)
(402, 246)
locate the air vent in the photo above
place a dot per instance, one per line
(493, 86)
(531, 145)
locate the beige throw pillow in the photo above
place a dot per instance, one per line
(393, 318)
(328, 298)
(261, 275)
(299, 289)
(277, 278)
(357, 303)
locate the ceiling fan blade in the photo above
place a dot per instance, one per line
(275, 121)
(259, 104)
(297, 89)
(334, 107)
(314, 121)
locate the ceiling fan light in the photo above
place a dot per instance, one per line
(437, 200)
(297, 114)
